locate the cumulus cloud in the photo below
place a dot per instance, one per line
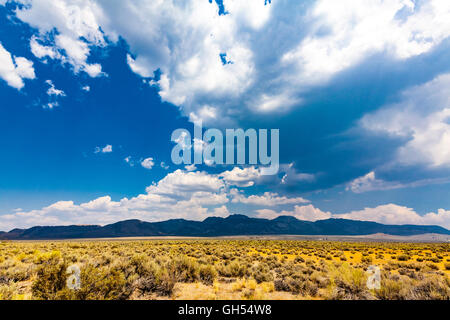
(183, 183)
(52, 91)
(369, 182)
(129, 161)
(242, 177)
(180, 194)
(344, 33)
(76, 27)
(41, 51)
(292, 177)
(394, 214)
(189, 195)
(385, 214)
(188, 40)
(268, 199)
(421, 118)
(196, 196)
(190, 167)
(188, 52)
(148, 163)
(106, 149)
(138, 68)
(53, 95)
(164, 165)
(14, 69)
(306, 213)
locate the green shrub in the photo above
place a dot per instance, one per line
(296, 286)
(207, 274)
(155, 279)
(233, 269)
(50, 278)
(184, 269)
(403, 257)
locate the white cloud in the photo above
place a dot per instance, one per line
(180, 194)
(51, 105)
(221, 212)
(369, 182)
(76, 28)
(24, 68)
(385, 214)
(421, 117)
(94, 70)
(441, 218)
(138, 68)
(196, 196)
(190, 167)
(148, 163)
(181, 183)
(204, 114)
(278, 102)
(184, 39)
(41, 51)
(86, 88)
(164, 165)
(358, 29)
(14, 69)
(293, 177)
(306, 213)
(106, 149)
(195, 79)
(53, 96)
(268, 199)
(394, 214)
(77, 52)
(129, 161)
(245, 177)
(52, 91)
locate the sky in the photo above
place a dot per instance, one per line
(91, 91)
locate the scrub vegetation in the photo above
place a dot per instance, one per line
(223, 269)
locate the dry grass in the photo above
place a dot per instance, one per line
(223, 269)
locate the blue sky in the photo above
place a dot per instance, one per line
(91, 91)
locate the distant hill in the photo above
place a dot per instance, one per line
(213, 227)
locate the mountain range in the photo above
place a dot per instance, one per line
(233, 225)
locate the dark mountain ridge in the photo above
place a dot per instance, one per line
(234, 225)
